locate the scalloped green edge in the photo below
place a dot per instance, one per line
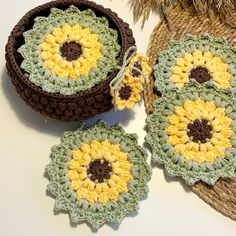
(188, 44)
(42, 77)
(97, 214)
(163, 153)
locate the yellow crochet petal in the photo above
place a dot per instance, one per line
(188, 57)
(173, 119)
(175, 78)
(72, 174)
(180, 148)
(177, 70)
(189, 155)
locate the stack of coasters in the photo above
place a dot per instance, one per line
(98, 174)
(192, 127)
(62, 55)
(194, 18)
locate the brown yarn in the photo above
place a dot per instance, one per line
(79, 106)
(134, 72)
(199, 131)
(71, 51)
(125, 92)
(200, 74)
(222, 196)
(99, 170)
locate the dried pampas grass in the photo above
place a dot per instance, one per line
(223, 8)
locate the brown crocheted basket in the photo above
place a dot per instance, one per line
(79, 106)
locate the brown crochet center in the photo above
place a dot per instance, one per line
(199, 131)
(136, 73)
(99, 170)
(71, 50)
(200, 74)
(79, 106)
(125, 92)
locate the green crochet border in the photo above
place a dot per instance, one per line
(163, 153)
(188, 44)
(43, 25)
(97, 214)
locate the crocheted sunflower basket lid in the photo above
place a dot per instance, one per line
(69, 51)
(193, 133)
(62, 55)
(98, 174)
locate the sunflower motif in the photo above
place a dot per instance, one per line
(192, 134)
(128, 93)
(139, 62)
(69, 51)
(202, 59)
(98, 174)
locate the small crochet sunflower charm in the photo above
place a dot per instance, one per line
(200, 58)
(127, 86)
(193, 134)
(69, 51)
(98, 174)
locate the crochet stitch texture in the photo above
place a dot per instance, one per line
(49, 66)
(192, 133)
(98, 174)
(201, 58)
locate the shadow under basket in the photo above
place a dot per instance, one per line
(82, 105)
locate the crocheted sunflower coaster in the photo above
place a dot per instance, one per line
(193, 134)
(69, 51)
(126, 88)
(98, 174)
(200, 58)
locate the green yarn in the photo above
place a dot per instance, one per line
(97, 214)
(42, 77)
(164, 153)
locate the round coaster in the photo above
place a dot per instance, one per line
(193, 134)
(98, 174)
(69, 51)
(181, 21)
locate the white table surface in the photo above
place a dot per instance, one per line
(26, 138)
